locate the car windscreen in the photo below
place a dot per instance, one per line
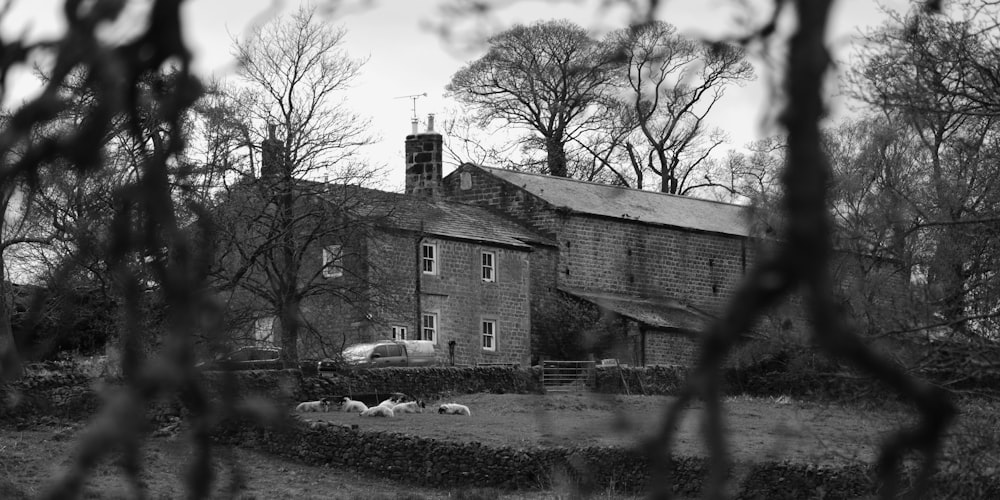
(359, 351)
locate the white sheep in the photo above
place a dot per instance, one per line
(312, 406)
(410, 407)
(352, 405)
(378, 411)
(454, 409)
(389, 403)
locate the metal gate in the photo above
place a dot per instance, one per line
(567, 376)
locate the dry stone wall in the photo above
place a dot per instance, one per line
(443, 464)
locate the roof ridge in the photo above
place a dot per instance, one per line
(623, 188)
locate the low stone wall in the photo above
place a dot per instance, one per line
(73, 396)
(58, 395)
(425, 383)
(768, 381)
(441, 464)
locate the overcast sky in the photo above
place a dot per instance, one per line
(406, 58)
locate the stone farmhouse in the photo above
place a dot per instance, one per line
(461, 259)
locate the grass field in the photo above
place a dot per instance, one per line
(762, 429)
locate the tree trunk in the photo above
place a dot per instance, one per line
(947, 279)
(668, 177)
(11, 367)
(290, 316)
(556, 155)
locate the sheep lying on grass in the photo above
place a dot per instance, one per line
(395, 399)
(410, 407)
(352, 405)
(313, 406)
(454, 409)
(378, 411)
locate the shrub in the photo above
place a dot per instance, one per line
(567, 328)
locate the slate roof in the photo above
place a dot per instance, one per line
(631, 204)
(451, 219)
(663, 313)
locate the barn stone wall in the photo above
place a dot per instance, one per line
(671, 348)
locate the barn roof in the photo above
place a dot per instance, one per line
(631, 204)
(657, 312)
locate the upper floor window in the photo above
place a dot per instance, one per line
(489, 331)
(428, 254)
(333, 261)
(399, 333)
(429, 327)
(489, 266)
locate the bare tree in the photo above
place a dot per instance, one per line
(271, 233)
(467, 142)
(917, 71)
(20, 228)
(671, 83)
(546, 77)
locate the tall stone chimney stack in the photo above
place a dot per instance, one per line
(424, 165)
(270, 155)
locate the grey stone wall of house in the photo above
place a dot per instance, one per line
(471, 185)
(335, 320)
(457, 294)
(626, 257)
(394, 260)
(462, 301)
(630, 258)
(617, 255)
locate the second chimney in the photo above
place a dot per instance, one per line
(424, 165)
(271, 155)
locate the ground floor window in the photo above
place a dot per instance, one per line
(429, 327)
(489, 334)
(399, 333)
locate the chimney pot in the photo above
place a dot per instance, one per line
(414, 123)
(430, 122)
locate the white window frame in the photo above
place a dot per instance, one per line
(398, 332)
(432, 330)
(432, 260)
(489, 271)
(488, 334)
(333, 254)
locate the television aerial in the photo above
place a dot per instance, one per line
(414, 98)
